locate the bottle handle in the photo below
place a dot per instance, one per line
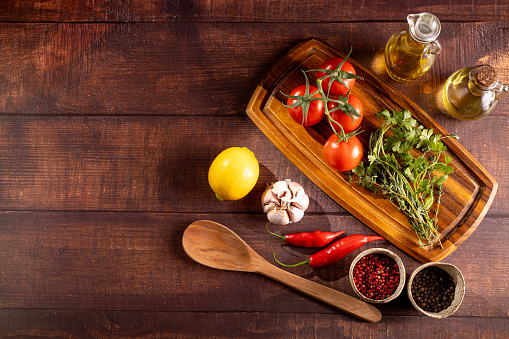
(435, 48)
(501, 90)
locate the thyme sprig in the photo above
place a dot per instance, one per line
(412, 183)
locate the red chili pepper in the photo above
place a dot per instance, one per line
(336, 251)
(307, 239)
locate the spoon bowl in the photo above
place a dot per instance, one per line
(214, 245)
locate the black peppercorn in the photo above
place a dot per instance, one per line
(433, 289)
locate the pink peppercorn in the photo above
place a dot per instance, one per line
(376, 276)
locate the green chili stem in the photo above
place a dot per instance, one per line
(274, 234)
(294, 265)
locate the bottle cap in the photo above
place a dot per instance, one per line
(486, 76)
(424, 27)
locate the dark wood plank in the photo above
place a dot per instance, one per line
(135, 261)
(44, 324)
(202, 69)
(131, 164)
(161, 163)
(120, 324)
(241, 11)
(464, 327)
(4, 322)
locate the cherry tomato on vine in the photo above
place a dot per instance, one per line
(337, 88)
(344, 119)
(343, 156)
(316, 110)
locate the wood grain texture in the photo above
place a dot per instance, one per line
(241, 11)
(110, 113)
(118, 324)
(135, 262)
(130, 164)
(137, 164)
(210, 69)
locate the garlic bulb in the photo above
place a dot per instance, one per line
(284, 202)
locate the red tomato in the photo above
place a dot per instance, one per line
(337, 88)
(316, 110)
(344, 119)
(343, 156)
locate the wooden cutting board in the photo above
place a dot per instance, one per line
(468, 192)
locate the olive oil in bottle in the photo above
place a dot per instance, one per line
(410, 52)
(472, 93)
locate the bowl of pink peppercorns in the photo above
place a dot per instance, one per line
(377, 275)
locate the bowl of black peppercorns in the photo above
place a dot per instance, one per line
(436, 289)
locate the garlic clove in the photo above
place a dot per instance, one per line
(278, 216)
(295, 213)
(296, 190)
(282, 191)
(269, 207)
(269, 196)
(302, 203)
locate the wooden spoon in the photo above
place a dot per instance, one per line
(214, 245)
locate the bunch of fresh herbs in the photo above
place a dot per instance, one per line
(412, 180)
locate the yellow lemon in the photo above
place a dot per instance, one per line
(233, 173)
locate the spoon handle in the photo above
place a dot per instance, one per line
(334, 298)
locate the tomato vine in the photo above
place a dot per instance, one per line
(341, 103)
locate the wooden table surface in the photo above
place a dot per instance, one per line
(111, 113)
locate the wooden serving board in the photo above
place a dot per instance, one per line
(468, 192)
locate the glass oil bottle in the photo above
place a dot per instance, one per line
(410, 52)
(472, 93)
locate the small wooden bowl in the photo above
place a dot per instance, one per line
(402, 274)
(459, 292)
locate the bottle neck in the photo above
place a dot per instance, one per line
(413, 39)
(424, 27)
(482, 79)
(475, 88)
